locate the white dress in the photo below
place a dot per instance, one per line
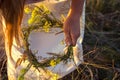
(48, 42)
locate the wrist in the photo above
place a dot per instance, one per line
(73, 14)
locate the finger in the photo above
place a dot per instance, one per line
(74, 39)
(68, 39)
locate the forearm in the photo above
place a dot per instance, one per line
(76, 8)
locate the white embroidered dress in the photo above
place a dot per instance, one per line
(48, 42)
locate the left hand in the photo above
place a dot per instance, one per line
(71, 30)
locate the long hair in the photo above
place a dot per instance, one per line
(12, 12)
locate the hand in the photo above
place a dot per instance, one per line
(71, 30)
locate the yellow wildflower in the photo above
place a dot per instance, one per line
(52, 63)
(27, 10)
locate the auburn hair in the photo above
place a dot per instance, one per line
(12, 12)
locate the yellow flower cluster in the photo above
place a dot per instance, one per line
(52, 63)
(27, 10)
(46, 26)
(33, 16)
(38, 16)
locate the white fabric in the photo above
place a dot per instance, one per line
(48, 42)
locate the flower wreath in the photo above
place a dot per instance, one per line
(41, 19)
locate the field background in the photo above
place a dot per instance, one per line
(101, 43)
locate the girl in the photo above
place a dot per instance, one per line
(11, 13)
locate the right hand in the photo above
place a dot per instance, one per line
(71, 30)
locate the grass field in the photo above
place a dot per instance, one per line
(101, 44)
